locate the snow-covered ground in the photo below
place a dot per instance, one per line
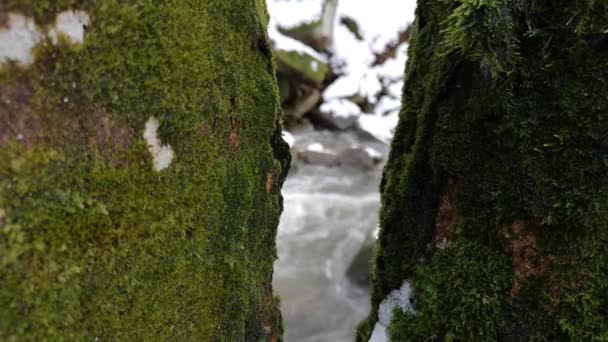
(379, 23)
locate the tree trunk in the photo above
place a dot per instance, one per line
(495, 196)
(141, 163)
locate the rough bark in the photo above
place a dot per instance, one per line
(140, 174)
(495, 195)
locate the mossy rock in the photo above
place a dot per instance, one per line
(95, 242)
(500, 146)
(301, 65)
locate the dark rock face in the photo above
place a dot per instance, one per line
(359, 157)
(333, 121)
(494, 194)
(360, 267)
(302, 104)
(318, 158)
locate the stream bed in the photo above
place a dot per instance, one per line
(330, 213)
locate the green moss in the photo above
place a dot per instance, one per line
(505, 99)
(461, 284)
(303, 65)
(96, 244)
(585, 310)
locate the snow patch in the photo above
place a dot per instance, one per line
(354, 58)
(341, 108)
(393, 68)
(387, 105)
(372, 152)
(71, 24)
(395, 89)
(282, 42)
(162, 154)
(396, 299)
(289, 14)
(379, 126)
(316, 147)
(18, 39)
(289, 139)
(380, 20)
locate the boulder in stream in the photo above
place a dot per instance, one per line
(359, 269)
(361, 157)
(337, 114)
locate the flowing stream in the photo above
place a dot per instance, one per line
(329, 214)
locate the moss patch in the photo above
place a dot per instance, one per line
(507, 98)
(96, 244)
(461, 284)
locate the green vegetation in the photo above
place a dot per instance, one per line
(507, 101)
(297, 63)
(94, 243)
(461, 284)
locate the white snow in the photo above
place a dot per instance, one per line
(289, 14)
(394, 89)
(372, 152)
(282, 42)
(387, 105)
(341, 108)
(316, 147)
(393, 68)
(289, 139)
(396, 299)
(342, 87)
(379, 20)
(162, 154)
(17, 41)
(353, 58)
(379, 23)
(381, 127)
(71, 24)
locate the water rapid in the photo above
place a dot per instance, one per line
(330, 213)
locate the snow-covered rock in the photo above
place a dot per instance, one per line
(359, 157)
(380, 127)
(340, 114)
(289, 139)
(316, 147)
(361, 31)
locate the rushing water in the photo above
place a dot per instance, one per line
(329, 214)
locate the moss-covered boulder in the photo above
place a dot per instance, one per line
(141, 163)
(494, 198)
(302, 66)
